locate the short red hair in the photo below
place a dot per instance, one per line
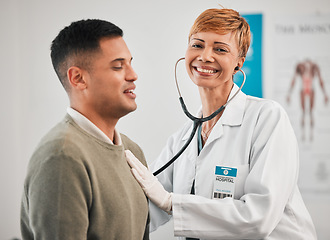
(223, 21)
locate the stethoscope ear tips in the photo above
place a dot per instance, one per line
(237, 68)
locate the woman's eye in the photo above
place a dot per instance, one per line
(220, 50)
(196, 46)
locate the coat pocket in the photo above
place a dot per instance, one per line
(242, 173)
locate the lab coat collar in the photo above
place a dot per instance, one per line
(232, 115)
(234, 112)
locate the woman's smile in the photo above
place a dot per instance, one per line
(205, 70)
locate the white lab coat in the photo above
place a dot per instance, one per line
(255, 136)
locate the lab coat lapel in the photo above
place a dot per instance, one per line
(216, 133)
(192, 150)
(191, 126)
(234, 112)
(232, 115)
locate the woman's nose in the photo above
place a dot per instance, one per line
(206, 55)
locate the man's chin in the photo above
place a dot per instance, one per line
(130, 109)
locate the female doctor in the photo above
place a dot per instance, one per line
(238, 177)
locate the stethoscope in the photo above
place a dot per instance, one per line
(197, 121)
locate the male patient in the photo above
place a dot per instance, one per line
(78, 183)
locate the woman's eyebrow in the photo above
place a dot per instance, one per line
(222, 43)
(198, 39)
(214, 42)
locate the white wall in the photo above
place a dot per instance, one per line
(32, 99)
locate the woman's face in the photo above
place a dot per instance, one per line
(211, 59)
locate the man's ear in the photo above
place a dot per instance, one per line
(76, 78)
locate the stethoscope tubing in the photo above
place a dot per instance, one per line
(196, 124)
(197, 121)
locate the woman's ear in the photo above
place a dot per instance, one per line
(76, 78)
(239, 64)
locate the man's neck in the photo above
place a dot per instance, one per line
(106, 125)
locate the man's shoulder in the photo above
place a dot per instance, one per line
(62, 135)
(133, 147)
(58, 132)
(126, 140)
(129, 143)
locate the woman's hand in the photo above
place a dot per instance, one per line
(149, 183)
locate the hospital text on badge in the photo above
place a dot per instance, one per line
(224, 182)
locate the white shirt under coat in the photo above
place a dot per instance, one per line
(91, 128)
(255, 136)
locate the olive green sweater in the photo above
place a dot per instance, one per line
(78, 187)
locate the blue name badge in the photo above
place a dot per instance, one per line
(224, 182)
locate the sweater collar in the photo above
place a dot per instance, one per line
(91, 128)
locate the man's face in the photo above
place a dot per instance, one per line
(110, 80)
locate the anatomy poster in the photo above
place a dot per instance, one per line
(301, 83)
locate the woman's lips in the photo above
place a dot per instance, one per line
(205, 70)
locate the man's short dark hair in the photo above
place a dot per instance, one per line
(77, 42)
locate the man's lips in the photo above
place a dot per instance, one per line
(130, 92)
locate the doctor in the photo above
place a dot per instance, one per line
(238, 177)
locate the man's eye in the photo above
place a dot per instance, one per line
(117, 68)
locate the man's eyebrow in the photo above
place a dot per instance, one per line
(121, 59)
